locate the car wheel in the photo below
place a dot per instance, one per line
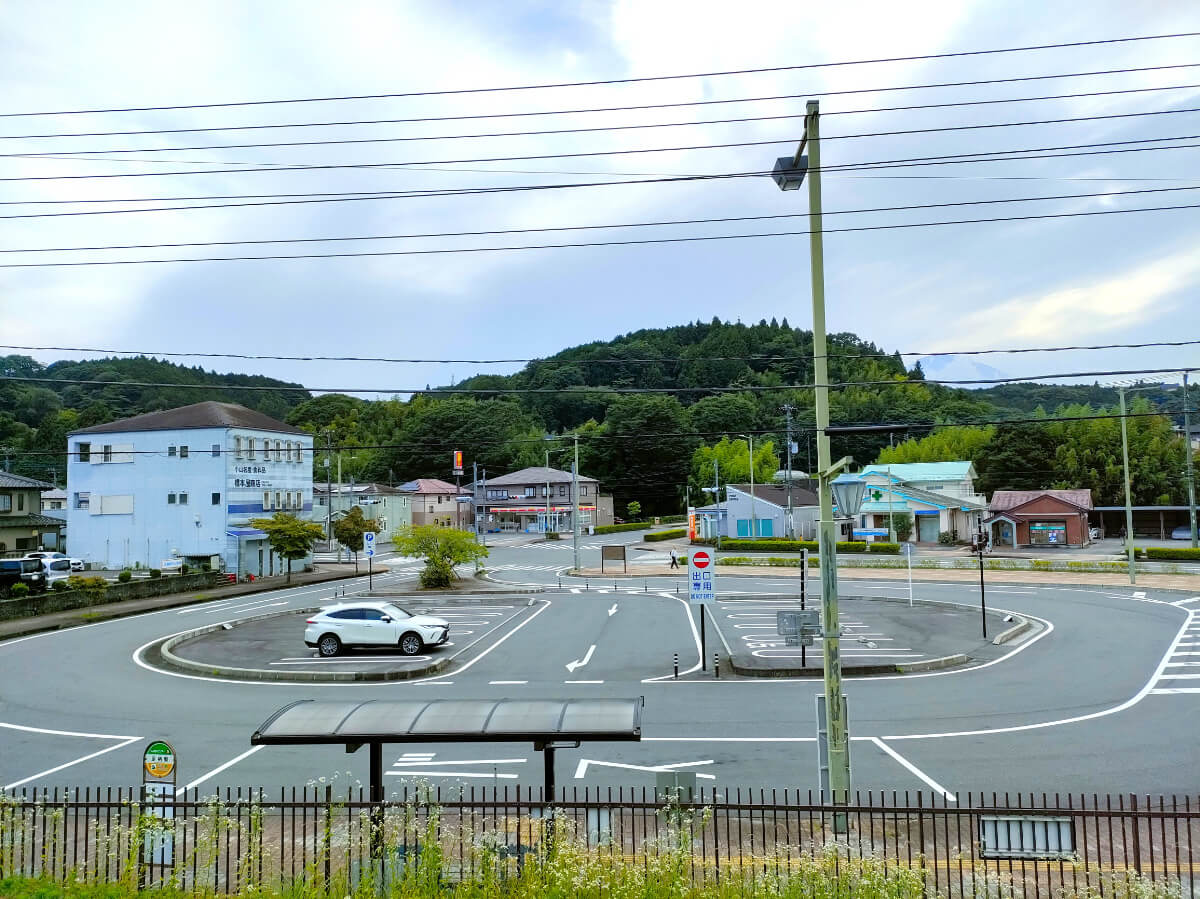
(329, 646)
(411, 644)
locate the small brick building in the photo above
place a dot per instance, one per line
(1039, 517)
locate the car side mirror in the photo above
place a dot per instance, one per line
(386, 619)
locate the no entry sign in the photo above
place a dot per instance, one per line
(702, 585)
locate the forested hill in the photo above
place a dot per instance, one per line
(36, 415)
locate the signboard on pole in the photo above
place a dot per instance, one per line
(457, 462)
(369, 544)
(158, 795)
(702, 581)
(691, 527)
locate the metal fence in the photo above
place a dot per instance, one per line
(242, 838)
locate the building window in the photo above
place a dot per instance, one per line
(278, 500)
(237, 447)
(278, 450)
(106, 454)
(183, 499)
(266, 501)
(20, 502)
(545, 491)
(170, 499)
(250, 453)
(216, 499)
(183, 452)
(583, 490)
(170, 452)
(6, 502)
(216, 450)
(83, 500)
(530, 492)
(562, 489)
(431, 510)
(85, 451)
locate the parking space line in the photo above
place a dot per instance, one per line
(73, 762)
(217, 770)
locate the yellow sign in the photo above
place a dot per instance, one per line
(159, 759)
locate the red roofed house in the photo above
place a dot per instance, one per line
(1039, 517)
(435, 502)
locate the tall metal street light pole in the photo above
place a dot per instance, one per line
(1122, 387)
(789, 174)
(791, 531)
(575, 511)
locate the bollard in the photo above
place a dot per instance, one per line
(645, 586)
(676, 666)
(585, 585)
(560, 582)
(717, 665)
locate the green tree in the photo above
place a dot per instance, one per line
(634, 508)
(349, 530)
(732, 457)
(948, 444)
(645, 451)
(441, 548)
(289, 536)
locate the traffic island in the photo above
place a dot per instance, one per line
(271, 647)
(880, 636)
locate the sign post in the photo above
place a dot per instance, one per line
(369, 550)
(158, 797)
(907, 549)
(702, 588)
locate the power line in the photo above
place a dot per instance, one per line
(599, 243)
(70, 154)
(702, 221)
(614, 81)
(515, 391)
(890, 163)
(687, 103)
(613, 361)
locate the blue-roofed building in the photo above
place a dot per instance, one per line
(940, 496)
(184, 484)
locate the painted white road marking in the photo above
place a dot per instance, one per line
(913, 769)
(583, 682)
(581, 768)
(407, 773)
(57, 768)
(579, 663)
(500, 683)
(215, 771)
(613, 610)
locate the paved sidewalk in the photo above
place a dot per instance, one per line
(91, 614)
(1145, 581)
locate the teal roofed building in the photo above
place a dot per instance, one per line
(935, 497)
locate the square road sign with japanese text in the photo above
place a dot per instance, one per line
(702, 581)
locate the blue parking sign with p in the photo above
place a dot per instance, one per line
(369, 543)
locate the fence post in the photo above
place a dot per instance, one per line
(1137, 834)
(327, 835)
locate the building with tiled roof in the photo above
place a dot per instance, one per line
(23, 527)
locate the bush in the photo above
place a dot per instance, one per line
(887, 549)
(672, 534)
(437, 573)
(125, 576)
(671, 519)
(552, 535)
(783, 546)
(154, 572)
(629, 526)
(946, 538)
(93, 587)
(18, 589)
(183, 569)
(60, 587)
(1182, 553)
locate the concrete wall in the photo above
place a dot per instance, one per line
(44, 603)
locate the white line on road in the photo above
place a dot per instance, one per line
(407, 773)
(613, 610)
(913, 769)
(500, 683)
(57, 768)
(1168, 691)
(217, 770)
(583, 682)
(65, 733)
(418, 761)
(579, 663)
(581, 768)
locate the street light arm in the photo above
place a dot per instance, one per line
(832, 472)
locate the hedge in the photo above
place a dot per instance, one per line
(1182, 553)
(630, 526)
(666, 535)
(767, 546)
(887, 549)
(671, 519)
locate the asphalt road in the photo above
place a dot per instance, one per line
(1103, 699)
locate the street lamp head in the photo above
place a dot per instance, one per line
(787, 174)
(848, 492)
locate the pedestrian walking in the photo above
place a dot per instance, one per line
(674, 560)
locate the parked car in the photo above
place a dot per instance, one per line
(56, 569)
(338, 627)
(1183, 532)
(27, 571)
(76, 564)
(1094, 533)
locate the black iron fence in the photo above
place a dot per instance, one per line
(238, 839)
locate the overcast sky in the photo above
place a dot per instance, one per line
(1089, 279)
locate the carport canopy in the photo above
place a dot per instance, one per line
(548, 723)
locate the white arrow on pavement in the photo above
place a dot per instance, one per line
(581, 769)
(579, 663)
(613, 610)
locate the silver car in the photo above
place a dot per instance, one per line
(373, 624)
(49, 556)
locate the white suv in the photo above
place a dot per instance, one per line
(373, 624)
(48, 556)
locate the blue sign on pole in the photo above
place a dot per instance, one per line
(369, 544)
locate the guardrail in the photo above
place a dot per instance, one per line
(243, 839)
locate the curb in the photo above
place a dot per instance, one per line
(262, 674)
(1023, 624)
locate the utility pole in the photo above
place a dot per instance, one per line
(787, 410)
(575, 511)
(717, 497)
(328, 487)
(1128, 496)
(1187, 451)
(547, 527)
(475, 497)
(836, 725)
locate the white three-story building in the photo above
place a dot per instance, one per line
(184, 484)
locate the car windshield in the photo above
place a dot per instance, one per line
(60, 565)
(397, 612)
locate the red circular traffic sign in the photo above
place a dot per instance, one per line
(700, 559)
